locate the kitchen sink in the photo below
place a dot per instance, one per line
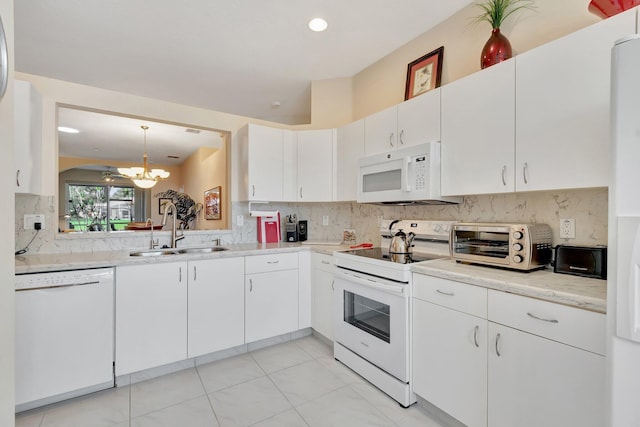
(201, 250)
(161, 252)
(154, 253)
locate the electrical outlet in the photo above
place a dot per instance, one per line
(29, 220)
(325, 219)
(240, 220)
(567, 228)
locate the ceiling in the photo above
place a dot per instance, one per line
(114, 138)
(241, 57)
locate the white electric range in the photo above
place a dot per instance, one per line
(372, 301)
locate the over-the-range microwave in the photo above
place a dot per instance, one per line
(408, 175)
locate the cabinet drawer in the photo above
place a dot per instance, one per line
(447, 293)
(323, 262)
(573, 326)
(271, 262)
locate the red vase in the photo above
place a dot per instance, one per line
(606, 8)
(497, 49)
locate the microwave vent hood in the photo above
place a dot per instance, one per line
(415, 202)
(405, 176)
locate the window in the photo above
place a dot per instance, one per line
(100, 207)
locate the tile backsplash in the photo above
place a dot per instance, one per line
(588, 207)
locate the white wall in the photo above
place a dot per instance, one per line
(7, 322)
(383, 83)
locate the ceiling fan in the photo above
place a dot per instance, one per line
(110, 175)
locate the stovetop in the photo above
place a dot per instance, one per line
(383, 255)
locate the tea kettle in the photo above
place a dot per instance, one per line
(401, 242)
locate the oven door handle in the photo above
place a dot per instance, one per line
(388, 288)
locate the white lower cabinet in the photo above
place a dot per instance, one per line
(546, 364)
(216, 305)
(450, 348)
(151, 315)
(322, 285)
(271, 295)
(535, 381)
(489, 358)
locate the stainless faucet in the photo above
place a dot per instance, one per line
(153, 243)
(174, 237)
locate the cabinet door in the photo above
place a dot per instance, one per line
(562, 108)
(419, 119)
(216, 305)
(478, 125)
(380, 131)
(350, 149)
(151, 315)
(536, 382)
(27, 138)
(271, 304)
(315, 165)
(322, 320)
(450, 361)
(265, 163)
(289, 166)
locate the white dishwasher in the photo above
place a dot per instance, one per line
(64, 335)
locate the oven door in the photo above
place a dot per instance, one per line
(372, 320)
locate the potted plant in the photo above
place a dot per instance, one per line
(495, 12)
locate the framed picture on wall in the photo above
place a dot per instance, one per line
(424, 74)
(161, 203)
(212, 203)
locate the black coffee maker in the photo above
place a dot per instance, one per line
(296, 231)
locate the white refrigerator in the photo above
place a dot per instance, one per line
(623, 296)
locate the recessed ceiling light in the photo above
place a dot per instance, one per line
(67, 130)
(318, 24)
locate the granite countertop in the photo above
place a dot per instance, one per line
(575, 291)
(40, 263)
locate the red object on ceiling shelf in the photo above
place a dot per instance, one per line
(608, 8)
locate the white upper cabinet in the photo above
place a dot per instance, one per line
(315, 165)
(478, 127)
(419, 119)
(262, 163)
(562, 108)
(27, 138)
(350, 149)
(380, 131)
(412, 122)
(290, 166)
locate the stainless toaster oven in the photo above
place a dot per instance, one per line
(516, 246)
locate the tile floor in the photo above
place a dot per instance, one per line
(297, 383)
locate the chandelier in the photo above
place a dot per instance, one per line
(143, 177)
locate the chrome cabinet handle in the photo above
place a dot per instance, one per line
(475, 336)
(253, 192)
(401, 135)
(391, 139)
(194, 272)
(273, 262)
(250, 285)
(497, 341)
(301, 192)
(504, 173)
(326, 262)
(333, 282)
(449, 294)
(180, 274)
(525, 170)
(543, 319)
(18, 178)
